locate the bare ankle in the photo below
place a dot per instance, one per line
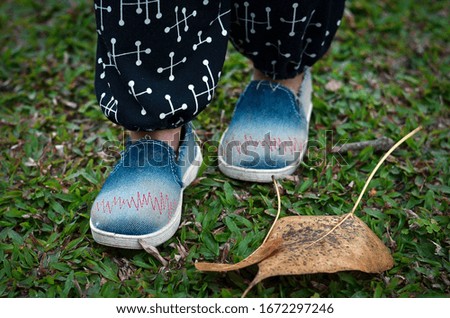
(169, 136)
(293, 84)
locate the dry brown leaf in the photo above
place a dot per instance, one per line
(316, 244)
(304, 245)
(351, 246)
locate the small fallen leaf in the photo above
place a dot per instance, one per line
(60, 150)
(31, 162)
(154, 252)
(69, 103)
(333, 85)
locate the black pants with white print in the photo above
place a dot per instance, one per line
(158, 62)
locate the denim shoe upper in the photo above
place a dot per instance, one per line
(142, 193)
(268, 129)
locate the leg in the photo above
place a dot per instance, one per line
(293, 84)
(157, 67)
(154, 60)
(269, 130)
(282, 39)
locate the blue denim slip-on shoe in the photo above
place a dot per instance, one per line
(141, 199)
(268, 133)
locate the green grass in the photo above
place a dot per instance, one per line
(392, 61)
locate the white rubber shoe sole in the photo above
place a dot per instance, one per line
(257, 175)
(155, 238)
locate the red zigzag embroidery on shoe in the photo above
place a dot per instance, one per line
(159, 203)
